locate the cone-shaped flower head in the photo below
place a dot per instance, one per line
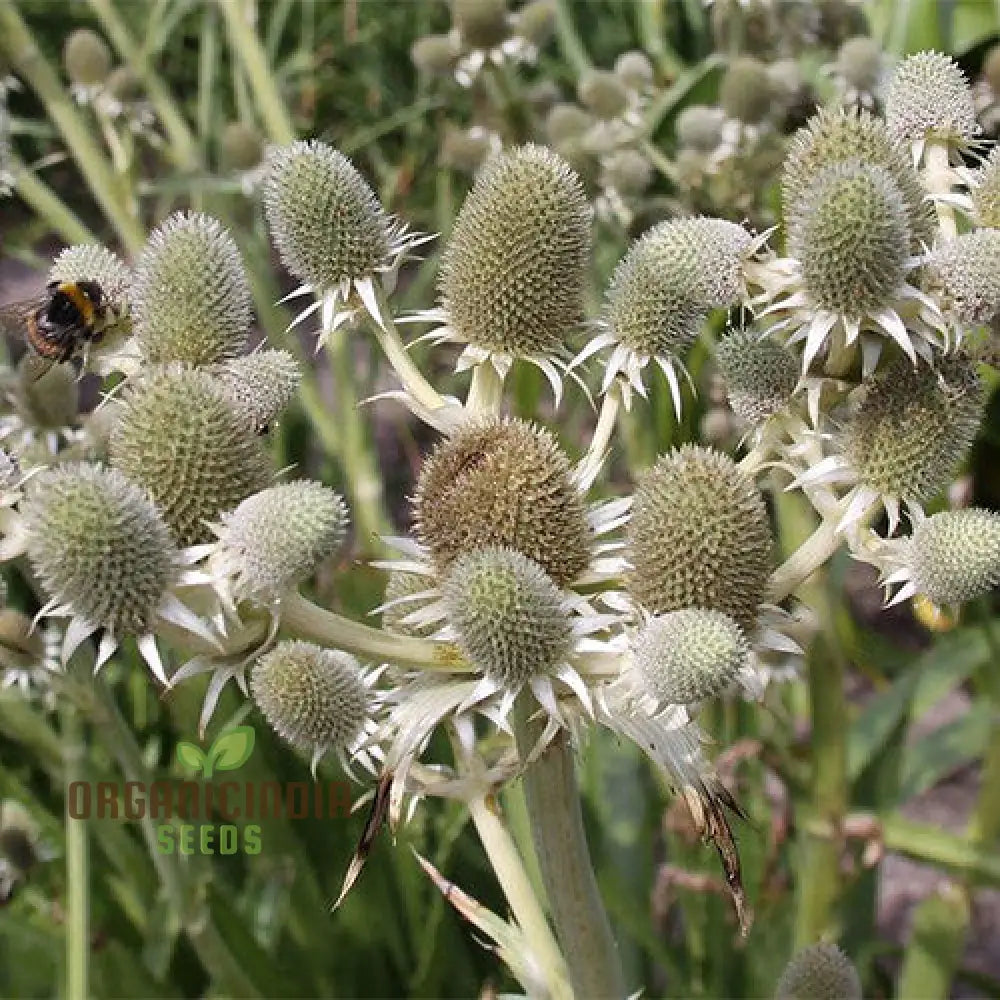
(929, 98)
(92, 262)
(760, 375)
(125, 85)
(833, 137)
(851, 236)
(260, 385)
(191, 297)
(965, 272)
(745, 91)
(819, 972)
(535, 21)
(985, 191)
(482, 24)
(435, 55)
(699, 537)
(603, 92)
(514, 273)
(635, 70)
(510, 617)
(699, 127)
(686, 656)
(859, 62)
(86, 57)
(99, 546)
(566, 122)
(241, 146)
(314, 698)
(276, 538)
(503, 482)
(914, 426)
(955, 555)
(628, 172)
(180, 437)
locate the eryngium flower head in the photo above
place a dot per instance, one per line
(965, 273)
(955, 555)
(852, 238)
(699, 127)
(435, 55)
(260, 385)
(745, 91)
(841, 136)
(535, 21)
(635, 70)
(509, 615)
(627, 171)
(914, 426)
(314, 698)
(985, 191)
(929, 98)
(699, 537)
(819, 972)
(191, 297)
(502, 482)
(180, 437)
(99, 546)
(92, 262)
(86, 57)
(686, 656)
(760, 374)
(276, 538)
(325, 220)
(241, 146)
(49, 402)
(603, 93)
(859, 62)
(566, 122)
(514, 272)
(482, 24)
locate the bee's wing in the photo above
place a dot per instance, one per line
(15, 315)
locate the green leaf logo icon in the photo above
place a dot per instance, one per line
(190, 756)
(231, 750)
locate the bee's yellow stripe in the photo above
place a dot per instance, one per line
(73, 292)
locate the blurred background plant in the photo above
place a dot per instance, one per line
(870, 818)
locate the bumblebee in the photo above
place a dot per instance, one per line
(59, 324)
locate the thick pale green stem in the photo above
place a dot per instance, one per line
(30, 63)
(938, 179)
(486, 390)
(805, 560)
(553, 800)
(47, 205)
(77, 868)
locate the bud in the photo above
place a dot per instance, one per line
(435, 55)
(819, 972)
(510, 616)
(603, 92)
(687, 656)
(852, 239)
(179, 437)
(699, 537)
(965, 273)
(699, 127)
(853, 136)
(125, 85)
(635, 70)
(929, 98)
(985, 190)
(86, 57)
(745, 91)
(914, 426)
(99, 546)
(955, 555)
(276, 538)
(466, 149)
(566, 122)
(502, 482)
(325, 220)
(241, 146)
(628, 172)
(760, 374)
(514, 272)
(91, 262)
(314, 698)
(536, 21)
(481, 23)
(260, 385)
(191, 297)
(859, 62)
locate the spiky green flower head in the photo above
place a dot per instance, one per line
(635, 70)
(99, 546)
(760, 374)
(191, 297)
(435, 55)
(852, 136)
(852, 237)
(180, 438)
(566, 122)
(92, 262)
(86, 58)
(955, 555)
(913, 426)
(687, 656)
(628, 172)
(859, 62)
(277, 538)
(699, 127)
(48, 402)
(260, 385)
(929, 98)
(482, 24)
(603, 92)
(819, 972)
(535, 21)
(991, 69)
(509, 615)
(241, 146)
(965, 272)
(313, 698)
(699, 537)
(985, 190)
(502, 482)
(514, 273)
(745, 91)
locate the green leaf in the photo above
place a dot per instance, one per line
(871, 730)
(232, 749)
(190, 755)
